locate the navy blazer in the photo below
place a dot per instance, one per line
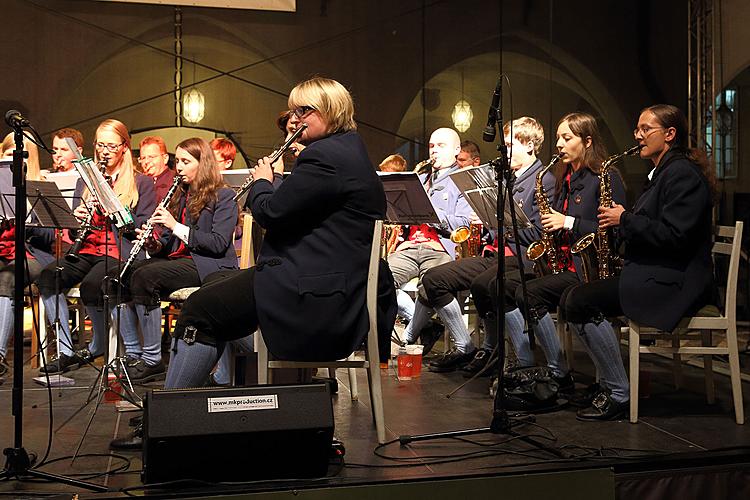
(143, 210)
(668, 271)
(210, 239)
(311, 275)
(524, 193)
(583, 204)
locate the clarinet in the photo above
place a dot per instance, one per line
(272, 159)
(149, 229)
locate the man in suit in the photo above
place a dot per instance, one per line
(307, 291)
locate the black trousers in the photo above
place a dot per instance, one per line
(591, 302)
(544, 294)
(8, 276)
(90, 271)
(152, 280)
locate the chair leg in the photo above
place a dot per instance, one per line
(708, 368)
(353, 380)
(376, 398)
(676, 362)
(35, 331)
(634, 350)
(566, 339)
(734, 370)
(262, 350)
(37, 360)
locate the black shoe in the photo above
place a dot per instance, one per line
(481, 358)
(566, 384)
(84, 356)
(133, 441)
(603, 407)
(4, 368)
(429, 335)
(450, 361)
(139, 371)
(583, 399)
(60, 364)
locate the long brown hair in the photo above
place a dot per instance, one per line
(671, 116)
(204, 188)
(583, 125)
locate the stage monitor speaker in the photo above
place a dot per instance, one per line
(237, 434)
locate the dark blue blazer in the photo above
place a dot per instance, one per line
(524, 193)
(141, 213)
(668, 271)
(583, 204)
(40, 242)
(311, 274)
(210, 240)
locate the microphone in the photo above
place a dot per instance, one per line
(489, 131)
(15, 119)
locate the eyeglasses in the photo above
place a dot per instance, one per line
(645, 131)
(109, 147)
(302, 111)
(144, 159)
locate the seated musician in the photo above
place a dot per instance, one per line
(443, 283)
(100, 251)
(393, 163)
(196, 241)
(667, 272)
(469, 155)
(307, 291)
(427, 246)
(224, 152)
(38, 251)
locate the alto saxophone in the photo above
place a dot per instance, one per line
(149, 229)
(595, 249)
(543, 253)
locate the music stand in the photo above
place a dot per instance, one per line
(406, 200)
(480, 189)
(51, 209)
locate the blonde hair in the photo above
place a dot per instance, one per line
(125, 187)
(33, 170)
(526, 130)
(329, 98)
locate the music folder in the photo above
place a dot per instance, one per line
(407, 201)
(479, 186)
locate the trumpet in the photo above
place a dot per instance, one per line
(272, 159)
(424, 166)
(149, 229)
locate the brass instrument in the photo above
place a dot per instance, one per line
(391, 235)
(149, 229)
(468, 239)
(543, 253)
(272, 158)
(595, 249)
(424, 166)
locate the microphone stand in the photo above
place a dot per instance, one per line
(18, 464)
(501, 422)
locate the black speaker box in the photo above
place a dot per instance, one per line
(237, 434)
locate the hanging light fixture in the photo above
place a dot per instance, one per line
(462, 114)
(193, 103)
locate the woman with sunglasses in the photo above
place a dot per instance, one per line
(102, 247)
(667, 271)
(312, 266)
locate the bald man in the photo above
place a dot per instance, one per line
(428, 246)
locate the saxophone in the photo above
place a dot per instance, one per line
(595, 249)
(149, 229)
(543, 253)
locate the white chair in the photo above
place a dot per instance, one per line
(706, 321)
(372, 360)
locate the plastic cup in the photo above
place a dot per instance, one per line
(415, 353)
(405, 366)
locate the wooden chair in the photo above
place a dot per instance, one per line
(372, 359)
(705, 322)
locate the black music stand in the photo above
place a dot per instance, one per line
(52, 211)
(406, 200)
(19, 464)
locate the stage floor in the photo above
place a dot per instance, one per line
(672, 422)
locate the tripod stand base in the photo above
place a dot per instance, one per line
(18, 465)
